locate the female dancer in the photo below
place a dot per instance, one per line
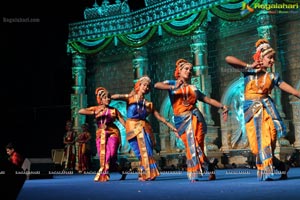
(107, 135)
(69, 141)
(139, 131)
(263, 122)
(188, 119)
(83, 149)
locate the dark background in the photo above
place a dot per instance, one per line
(36, 80)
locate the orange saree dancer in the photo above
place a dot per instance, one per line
(191, 127)
(263, 122)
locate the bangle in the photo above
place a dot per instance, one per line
(171, 87)
(224, 108)
(248, 66)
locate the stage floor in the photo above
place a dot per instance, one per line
(230, 184)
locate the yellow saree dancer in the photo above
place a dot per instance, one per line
(263, 122)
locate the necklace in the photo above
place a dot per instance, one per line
(261, 86)
(103, 120)
(140, 111)
(185, 95)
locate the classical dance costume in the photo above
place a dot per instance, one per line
(140, 136)
(107, 141)
(191, 127)
(69, 150)
(263, 122)
(83, 152)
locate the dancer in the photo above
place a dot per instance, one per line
(263, 122)
(69, 141)
(189, 121)
(83, 150)
(108, 136)
(139, 131)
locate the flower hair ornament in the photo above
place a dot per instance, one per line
(100, 92)
(144, 78)
(262, 48)
(180, 64)
(141, 80)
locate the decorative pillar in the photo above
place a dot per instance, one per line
(267, 29)
(78, 98)
(202, 80)
(201, 77)
(140, 64)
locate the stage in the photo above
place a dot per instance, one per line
(230, 184)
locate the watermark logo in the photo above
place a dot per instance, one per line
(246, 9)
(272, 8)
(20, 20)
